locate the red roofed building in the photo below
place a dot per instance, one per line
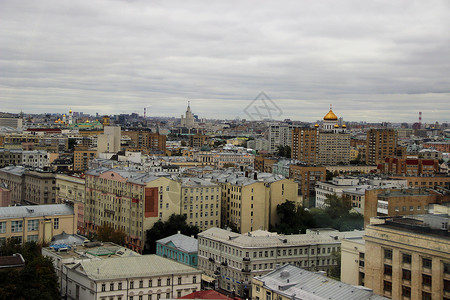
(410, 166)
(208, 294)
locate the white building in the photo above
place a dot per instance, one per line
(234, 259)
(333, 187)
(148, 277)
(280, 135)
(36, 159)
(109, 141)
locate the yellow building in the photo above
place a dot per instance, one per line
(37, 223)
(353, 260)
(71, 189)
(408, 257)
(81, 158)
(249, 203)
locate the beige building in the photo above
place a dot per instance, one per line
(353, 261)
(109, 140)
(71, 189)
(334, 148)
(81, 158)
(305, 145)
(250, 202)
(39, 187)
(234, 259)
(409, 257)
(201, 202)
(12, 178)
(37, 223)
(148, 277)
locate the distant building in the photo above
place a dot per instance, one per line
(410, 166)
(307, 176)
(82, 157)
(289, 282)
(280, 134)
(408, 257)
(380, 143)
(179, 247)
(148, 276)
(11, 122)
(109, 141)
(38, 223)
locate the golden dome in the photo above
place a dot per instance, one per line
(330, 116)
(336, 126)
(64, 115)
(70, 111)
(317, 125)
(344, 126)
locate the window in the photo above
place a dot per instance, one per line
(167, 295)
(446, 285)
(111, 286)
(387, 286)
(131, 284)
(387, 253)
(159, 282)
(194, 279)
(2, 227)
(426, 280)
(140, 297)
(33, 225)
(178, 294)
(447, 268)
(426, 296)
(387, 270)
(158, 296)
(56, 223)
(32, 238)
(150, 283)
(119, 286)
(179, 280)
(426, 263)
(16, 226)
(406, 291)
(406, 258)
(103, 287)
(168, 281)
(406, 274)
(141, 284)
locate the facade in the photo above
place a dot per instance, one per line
(197, 141)
(334, 148)
(180, 248)
(249, 201)
(39, 187)
(353, 260)
(307, 177)
(426, 181)
(36, 159)
(333, 187)
(410, 166)
(5, 197)
(409, 257)
(220, 159)
(81, 158)
(351, 169)
(146, 140)
(109, 141)
(11, 122)
(37, 223)
(305, 145)
(12, 178)
(380, 143)
(280, 134)
(201, 202)
(131, 278)
(71, 189)
(234, 259)
(188, 120)
(10, 157)
(290, 283)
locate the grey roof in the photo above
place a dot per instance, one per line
(182, 242)
(269, 239)
(16, 170)
(68, 239)
(296, 283)
(134, 176)
(35, 211)
(132, 267)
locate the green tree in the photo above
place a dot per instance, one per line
(293, 218)
(107, 233)
(280, 151)
(335, 270)
(164, 229)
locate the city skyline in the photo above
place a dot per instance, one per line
(374, 62)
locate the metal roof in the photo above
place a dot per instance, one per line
(182, 242)
(30, 211)
(296, 283)
(132, 267)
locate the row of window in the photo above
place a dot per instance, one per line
(33, 225)
(140, 284)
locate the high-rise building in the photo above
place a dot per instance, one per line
(280, 135)
(109, 141)
(305, 145)
(188, 120)
(380, 143)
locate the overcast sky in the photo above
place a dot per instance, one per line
(373, 60)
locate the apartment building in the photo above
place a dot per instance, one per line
(39, 187)
(333, 148)
(233, 259)
(38, 223)
(72, 189)
(426, 181)
(82, 157)
(408, 257)
(249, 201)
(201, 202)
(12, 178)
(410, 166)
(280, 134)
(148, 140)
(109, 140)
(307, 176)
(148, 277)
(304, 145)
(380, 143)
(334, 187)
(10, 157)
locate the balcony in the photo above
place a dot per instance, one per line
(246, 259)
(245, 270)
(224, 263)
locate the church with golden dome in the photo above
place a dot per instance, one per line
(325, 144)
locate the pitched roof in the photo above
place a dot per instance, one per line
(35, 211)
(182, 242)
(132, 267)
